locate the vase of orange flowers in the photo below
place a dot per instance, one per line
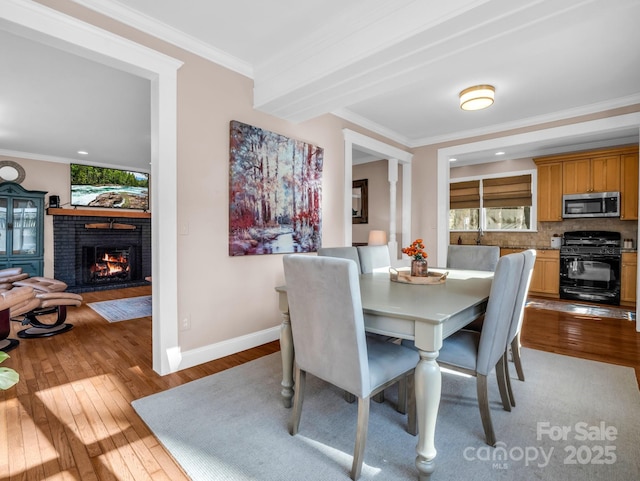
(419, 266)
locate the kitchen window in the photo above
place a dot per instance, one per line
(492, 203)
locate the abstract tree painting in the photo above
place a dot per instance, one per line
(275, 193)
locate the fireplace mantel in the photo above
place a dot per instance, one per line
(99, 213)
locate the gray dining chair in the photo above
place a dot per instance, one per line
(348, 252)
(373, 257)
(330, 343)
(478, 353)
(478, 258)
(513, 339)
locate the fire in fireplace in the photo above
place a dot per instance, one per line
(108, 264)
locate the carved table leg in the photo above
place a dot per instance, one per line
(428, 385)
(286, 350)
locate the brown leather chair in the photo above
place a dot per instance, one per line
(14, 302)
(51, 296)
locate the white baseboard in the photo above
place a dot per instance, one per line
(225, 348)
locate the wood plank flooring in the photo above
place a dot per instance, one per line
(70, 417)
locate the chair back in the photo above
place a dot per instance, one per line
(348, 252)
(477, 258)
(523, 291)
(326, 320)
(373, 257)
(497, 319)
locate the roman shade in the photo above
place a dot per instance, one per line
(507, 191)
(464, 195)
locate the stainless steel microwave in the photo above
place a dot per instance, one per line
(595, 204)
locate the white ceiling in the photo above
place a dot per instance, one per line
(395, 67)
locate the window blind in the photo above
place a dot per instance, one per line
(507, 191)
(464, 195)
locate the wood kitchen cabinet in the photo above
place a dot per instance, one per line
(545, 280)
(597, 174)
(629, 186)
(550, 192)
(628, 278)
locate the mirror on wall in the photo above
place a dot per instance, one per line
(11, 172)
(360, 202)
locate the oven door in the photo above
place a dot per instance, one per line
(590, 277)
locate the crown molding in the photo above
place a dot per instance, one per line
(133, 18)
(530, 121)
(16, 154)
(365, 123)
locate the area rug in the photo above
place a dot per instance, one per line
(611, 312)
(123, 309)
(574, 420)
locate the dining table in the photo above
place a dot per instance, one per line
(424, 313)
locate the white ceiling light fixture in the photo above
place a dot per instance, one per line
(477, 98)
(83, 152)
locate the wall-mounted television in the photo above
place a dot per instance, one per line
(93, 186)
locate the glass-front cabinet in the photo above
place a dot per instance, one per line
(21, 228)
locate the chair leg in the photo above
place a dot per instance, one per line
(485, 414)
(298, 398)
(507, 377)
(515, 353)
(402, 395)
(361, 437)
(501, 375)
(350, 398)
(379, 398)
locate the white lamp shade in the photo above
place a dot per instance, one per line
(377, 238)
(477, 98)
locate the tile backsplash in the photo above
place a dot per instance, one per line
(542, 238)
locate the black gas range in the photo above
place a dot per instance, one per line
(590, 266)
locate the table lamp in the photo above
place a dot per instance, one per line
(377, 238)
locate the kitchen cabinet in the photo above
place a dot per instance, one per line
(597, 174)
(629, 186)
(628, 278)
(545, 280)
(550, 192)
(21, 228)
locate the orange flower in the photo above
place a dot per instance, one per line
(416, 250)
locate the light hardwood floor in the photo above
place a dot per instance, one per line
(70, 416)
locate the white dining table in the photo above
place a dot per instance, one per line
(426, 314)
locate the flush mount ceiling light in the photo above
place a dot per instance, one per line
(477, 98)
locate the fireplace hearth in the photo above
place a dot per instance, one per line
(91, 254)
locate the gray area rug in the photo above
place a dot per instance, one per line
(583, 309)
(574, 420)
(123, 309)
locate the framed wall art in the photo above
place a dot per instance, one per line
(360, 202)
(275, 193)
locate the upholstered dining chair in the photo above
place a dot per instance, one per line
(478, 353)
(513, 339)
(329, 339)
(347, 252)
(373, 257)
(478, 258)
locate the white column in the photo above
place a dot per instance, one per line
(393, 183)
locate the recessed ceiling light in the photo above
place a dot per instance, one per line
(452, 160)
(499, 153)
(82, 152)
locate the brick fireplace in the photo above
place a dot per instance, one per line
(94, 253)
